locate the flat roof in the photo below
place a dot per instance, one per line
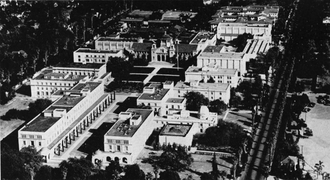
(115, 39)
(89, 85)
(203, 86)
(158, 95)
(215, 49)
(211, 70)
(89, 50)
(175, 130)
(41, 123)
(122, 127)
(78, 65)
(175, 100)
(202, 35)
(232, 55)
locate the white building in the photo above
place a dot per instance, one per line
(53, 130)
(51, 79)
(254, 47)
(87, 55)
(202, 119)
(180, 134)
(126, 138)
(212, 73)
(212, 91)
(204, 39)
(161, 98)
(231, 21)
(113, 44)
(223, 57)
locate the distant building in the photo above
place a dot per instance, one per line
(231, 21)
(87, 55)
(51, 79)
(126, 138)
(223, 57)
(204, 39)
(212, 91)
(53, 130)
(176, 15)
(113, 44)
(212, 73)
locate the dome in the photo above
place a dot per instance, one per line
(204, 110)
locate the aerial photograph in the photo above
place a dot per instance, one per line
(165, 89)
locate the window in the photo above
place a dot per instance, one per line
(126, 148)
(220, 93)
(39, 137)
(31, 136)
(108, 158)
(118, 148)
(110, 147)
(118, 141)
(39, 143)
(125, 141)
(229, 77)
(109, 140)
(24, 143)
(32, 143)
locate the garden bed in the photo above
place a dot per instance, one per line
(146, 70)
(170, 71)
(135, 78)
(161, 78)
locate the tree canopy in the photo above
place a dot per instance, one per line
(217, 106)
(224, 134)
(76, 169)
(195, 100)
(168, 174)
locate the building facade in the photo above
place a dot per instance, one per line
(53, 130)
(212, 91)
(212, 75)
(87, 55)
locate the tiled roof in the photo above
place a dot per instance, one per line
(141, 47)
(186, 48)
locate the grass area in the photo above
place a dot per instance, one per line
(135, 78)
(170, 71)
(142, 70)
(240, 117)
(161, 78)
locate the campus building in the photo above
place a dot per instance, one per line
(87, 55)
(223, 57)
(254, 47)
(51, 79)
(180, 134)
(201, 120)
(212, 91)
(212, 74)
(127, 137)
(160, 97)
(231, 21)
(53, 130)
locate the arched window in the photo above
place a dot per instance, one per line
(124, 160)
(108, 158)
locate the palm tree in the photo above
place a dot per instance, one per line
(318, 168)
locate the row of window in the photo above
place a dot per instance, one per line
(55, 83)
(116, 141)
(118, 148)
(100, 56)
(32, 143)
(32, 136)
(87, 60)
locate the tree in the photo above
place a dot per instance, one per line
(12, 164)
(319, 168)
(207, 176)
(44, 173)
(195, 100)
(168, 174)
(155, 170)
(177, 160)
(31, 159)
(217, 106)
(113, 169)
(134, 172)
(75, 168)
(119, 67)
(215, 171)
(224, 134)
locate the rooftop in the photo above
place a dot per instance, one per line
(140, 13)
(202, 35)
(158, 95)
(41, 123)
(115, 39)
(141, 47)
(212, 49)
(175, 130)
(88, 85)
(122, 127)
(88, 50)
(209, 69)
(186, 48)
(68, 101)
(203, 86)
(78, 65)
(175, 100)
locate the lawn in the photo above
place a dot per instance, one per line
(145, 70)
(161, 78)
(170, 71)
(135, 78)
